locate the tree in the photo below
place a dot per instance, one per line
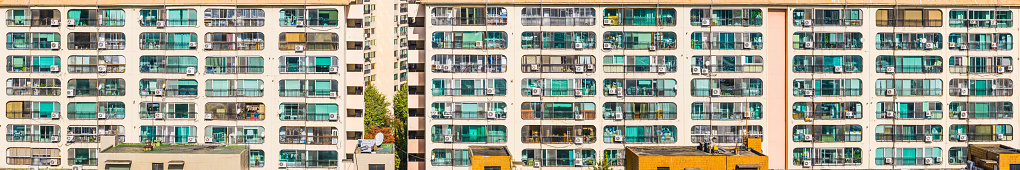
(386, 131)
(603, 164)
(376, 114)
(400, 127)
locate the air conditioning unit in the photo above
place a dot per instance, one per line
(607, 46)
(618, 115)
(963, 137)
(808, 23)
(973, 22)
(890, 114)
(592, 66)
(929, 45)
(54, 162)
(578, 140)
(929, 161)
(848, 113)
(448, 114)
(101, 115)
(334, 69)
(54, 68)
(333, 94)
(809, 45)
(55, 115)
(652, 47)
(696, 70)
(607, 21)
(716, 92)
(158, 92)
(208, 116)
(620, 91)
(534, 67)
(299, 48)
(927, 138)
(54, 22)
(447, 68)
(192, 44)
(208, 46)
(191, 70)
(618, 138)
(952, 44)
(160, 23)
(283, 165)
(435, 113)
(578, 162)
(808, 138)
(888, 160)
(1001, 69)
(579, 68)
(890, 92)
(611, 91)
(70, 92)
(101, 68)
(927, 114)
(706, 21)
(994, 45)
(662, 69)
(536, 91)
(159, 115)
(807, 163)
(964, 91)
(300, 23)
(101, 45)
(578, 116)
(490, 91)
(890, 69)
(209, 139)
(748, 115)
(1000, 136)
(578, 45)
(809, 92)
(938, 159)
(334, 116)
(76, 167)
(54, 45)
(448, 139)
(55, 138)
(748, 45)
(578, 92)
(479, 44)
(963, 46)
(70, 139)
(963, 115)
(70, 22)
(837, 69)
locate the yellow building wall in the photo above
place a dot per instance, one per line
(480, 162)
(702, 162)
(1006, 159)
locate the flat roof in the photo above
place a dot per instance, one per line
(745, 2)
(488, 151)
(996, 148)
(685, 151)
(167, 2)
(177, 149)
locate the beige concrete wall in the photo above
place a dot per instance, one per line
(364, 160)
(191, 161)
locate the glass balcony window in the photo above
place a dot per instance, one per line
(908, 64)
(908, 87)
(827, 17)
(168, 41)
(454, 63)
(827, 110)
(907, 156)
(558, 16)
(235, 111)
(309, 64)
(981, 18)
(235, 134)
(96, 87)
(32, 110)
(152, 110)
(234, 65)
(558, 40)
(827, 64)
(557, 111)
(640, 134)
(972, 64)
(91, 133)
(310, 41)
(957, 155)
(33, 87)
(308, 88)
(558, 157)
(726, 111)
(169, 134)
(309, 17)
(640, 40)
(469, 110)
(83, 156)
(167, 64)
(32, 156)
(980, 41)
(827, 40)
(726, 17)
(96, 17)
(309, 135)
(234, 17)
(558, 64)
(639, 87)
(639, 111)
(729, 64)
(256, 158)
(33, 41)
(228, 41)
(558, 87)
(827, 133)
(469, 40)
(704, 87)
(33, 64)
(558, 134)
(233, 87)
(168, 87)
(33, 17)
(827, 156)
(639, 16)
(908, 17)
(727, 40)
(616, 157)
(724, 134)
(463, 16)
(638, 64)
(908, 110)
(469, 87)
(981, 87)
(469, 133)
(96, 41)
(908, 133)
(310, 159)
(308, 111)
(451, 157)
(980, 132)
(168, 17)
(39, 133)
(92, 110)
(96, 64)
(981, 110)
(826, 87)
(908, 41)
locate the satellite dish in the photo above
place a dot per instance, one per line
(378, 139)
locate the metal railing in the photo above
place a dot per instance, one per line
(563, 115)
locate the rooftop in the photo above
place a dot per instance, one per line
(745, 2)
(488, 151)
(167, 2)
(685, 151)
(176, 149)
(996, 148)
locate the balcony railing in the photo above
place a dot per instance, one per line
(831, 161)
(83, 161)
(828, 91)
(907, 137)
(721, 116)
(527, 91)
(310, 140)
(813, 68)
(232, 45)
(830, 45)
(911, 91)
(304, 116)
(912, 114)
(983, 114)
(1000, 91)
(554, 138)
(239, 116)
(730, 91)
(466, 21)
(470, 115)
(24, 137)
(980, 69)
(168, 115)
(233, 92)
(906, 161)
(890, 45)
(465, 91)
(558, 21)
(530, 114)
(882, 68)
(312, 163)
(93, 45)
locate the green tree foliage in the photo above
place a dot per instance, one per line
(376, 114)
(400, 127)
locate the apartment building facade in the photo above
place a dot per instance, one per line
(847, 85)
(283, 77)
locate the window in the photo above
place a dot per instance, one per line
(308, 64)
(96, 64)
(638, 64)
(981, 132)
(33, 17)
(33, 110)
(558, 40)
(826, 87)
(256, 158)
(469, 16)
(827, 40)
(469, 110)
(557, 110)
(454, 63)
(558, 87)
(908, 133)
(558, 134)
(957, 155)
(974, 64)
(726, 17)
(32, 156)
(33, 64)
(168, 41)
(168, 17)
(469, 133)
(95, 41)
(164, 110)
(908, 18)
(308, 88)
(33, 87)
(308, 135)
(557, 157)
(451, 157)
(96, 87)
(981, 87)
(639, 134)
(383, 167)
(827, 156)
(640, 87)
(469, 40)
(639, 16)
(169, 134)
(220, 41)
(827, 63)
(827, 17)
(726, 87)
(469, 87)
(309, 17)
(93, 110)
(234, 64)
(726, 40)
(616, 157)
(307, 111)
(233, 87)
(234, 18)
(726, 110)
(908, 110)
(981, 110)
(908, 64)
(907, 156)
(311, 41)
(33, 41)
(83, 156)
(724, 134)
(91, 134)
(827, 110)
(640, 40)
(38, 133)
(728, 64)
(167, 64)
(979, 41)
(235, 134)
(96, 17)
(558, 16)
(235, 111)
(827, 133)
(908, 41)
(981, 18)
(908, 87)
